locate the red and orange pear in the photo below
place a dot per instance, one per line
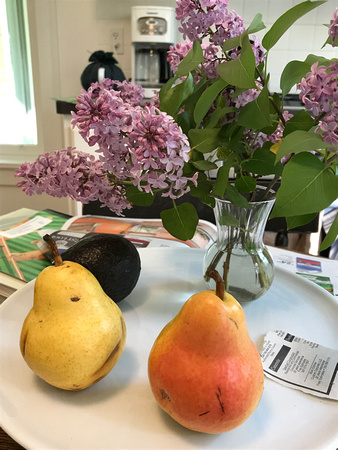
(204, 370)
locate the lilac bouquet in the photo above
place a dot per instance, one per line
(215, 115)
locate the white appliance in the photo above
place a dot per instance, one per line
(153, 30)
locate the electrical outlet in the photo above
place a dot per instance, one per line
(117, 41)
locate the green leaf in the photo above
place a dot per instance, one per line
(256, 25)
(139, 198)
(230, 135)
(274, 124)
(292, 74)
(231, 43)
(235, 197)
(284, 22)
(180, 221)
(245, 183)
(166, 87)
(206, 100)
(190, 102)
(311, 59)
(204, 140)
(191, 60)
(300, 141)
(277, 101)
(226, 218)
(174, 97)
(263, 162)
(204, 165)
(201, 84)
(329, 42)
(300, 121)
(223, 177)
(183, 121)
(308, 186)
(331, 235)
(223, 153)
(256, 114)
(195, 155)
(240, 72)
(298, 221)
(202, 190)
(218, 114)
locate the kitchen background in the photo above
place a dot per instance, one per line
(64, 33)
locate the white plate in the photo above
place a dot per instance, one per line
(120, 411)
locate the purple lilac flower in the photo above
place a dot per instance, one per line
(319, 93)
(209, 18)
(333, 28)
(177, 53)
(330, 131)
(157, 147)
(196, 18)
(247, 96)
(201, 18)
(74, 174)
(135, 144)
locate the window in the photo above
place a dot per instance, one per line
(17, 112)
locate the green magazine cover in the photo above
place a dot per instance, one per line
(20, 255)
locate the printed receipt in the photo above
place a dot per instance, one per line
(300, 364)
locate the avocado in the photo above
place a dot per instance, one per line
(112, 259)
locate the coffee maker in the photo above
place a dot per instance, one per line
(153, 30)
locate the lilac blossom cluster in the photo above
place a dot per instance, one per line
(210, 20)
(197, 17)
(333, 28)
(319, 93)
(200, 19)
(74, 174)
(137, 145)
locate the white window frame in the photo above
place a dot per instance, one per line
(11, 156)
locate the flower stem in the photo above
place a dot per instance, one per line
(268, 188)
(226, 266)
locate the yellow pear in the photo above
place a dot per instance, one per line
(204, 370)
(74, 334)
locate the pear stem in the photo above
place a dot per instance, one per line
(52, 245)
(220, 287)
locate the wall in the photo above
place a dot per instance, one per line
(80, 35)
(64, 33)
(306, 36)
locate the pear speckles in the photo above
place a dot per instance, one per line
(165, 396)
(218, 396)
(234, 321)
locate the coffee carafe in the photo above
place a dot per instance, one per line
(153, 31)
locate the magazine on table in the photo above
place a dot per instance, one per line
(142, 232)
(24, 254)
(20, 237)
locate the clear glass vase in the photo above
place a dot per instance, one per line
(239, 254)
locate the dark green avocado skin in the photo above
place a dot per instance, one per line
(112, 259)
